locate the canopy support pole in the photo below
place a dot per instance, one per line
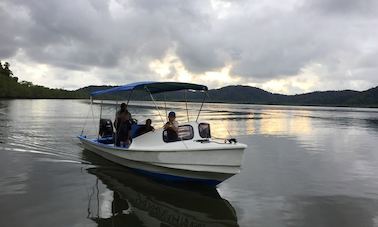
(186, 104)
(93, 118)
(165, 106)
(157, 108)
(85, 122)
(204, 97)
(99, 121)
(128, 99)
(115, 118)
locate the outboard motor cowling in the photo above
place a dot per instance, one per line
(106, 130)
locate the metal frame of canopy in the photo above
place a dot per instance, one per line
(153, 88)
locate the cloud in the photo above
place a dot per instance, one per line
(345, 8)
(264, 43)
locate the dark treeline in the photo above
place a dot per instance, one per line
(253, 95)
(246, 94)
(10, 87)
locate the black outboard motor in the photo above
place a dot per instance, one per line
(106, 132)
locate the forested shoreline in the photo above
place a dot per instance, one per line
(12, 88)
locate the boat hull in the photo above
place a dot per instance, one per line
(210, 166)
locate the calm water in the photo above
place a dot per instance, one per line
(303, 167)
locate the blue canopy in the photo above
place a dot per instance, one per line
(153, 87)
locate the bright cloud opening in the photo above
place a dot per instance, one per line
(171, 68)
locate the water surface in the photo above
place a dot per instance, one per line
(304, 166)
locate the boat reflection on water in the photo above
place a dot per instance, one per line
(139, 200)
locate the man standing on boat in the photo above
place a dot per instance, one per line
(123, 126)
(118, 114)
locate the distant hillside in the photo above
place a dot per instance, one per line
(10, 87)
(245, 94)
(253, 95)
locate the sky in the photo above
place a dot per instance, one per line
(289, 47)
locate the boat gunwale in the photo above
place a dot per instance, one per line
(112, 147)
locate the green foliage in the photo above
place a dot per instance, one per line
(11, 88)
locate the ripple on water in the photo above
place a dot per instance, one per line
(13, 185)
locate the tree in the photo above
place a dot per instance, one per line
(26, 83)
(6, 69)
(6, 65)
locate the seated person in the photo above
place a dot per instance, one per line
(145, 128)
(171, 127)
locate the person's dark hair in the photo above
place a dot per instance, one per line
(123, 106)
(148, 122)
(172, 114)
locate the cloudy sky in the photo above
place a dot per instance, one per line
(291, 46)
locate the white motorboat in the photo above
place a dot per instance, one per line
(193, 157)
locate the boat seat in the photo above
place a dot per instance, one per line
(134, 130)
(106, 140)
